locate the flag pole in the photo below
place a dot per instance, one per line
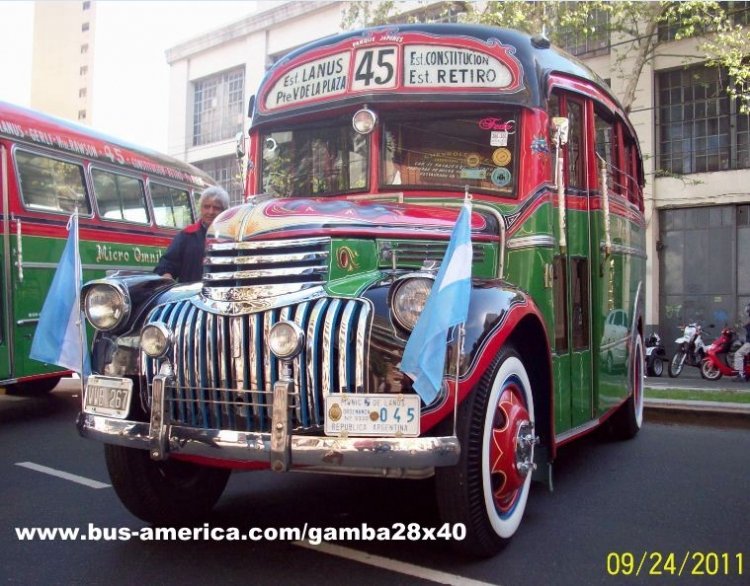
(79, 282)
(460, 338)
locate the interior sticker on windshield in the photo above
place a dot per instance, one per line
(539, 145)
(499, 138)
(480, 174)
(498, 124)
(501, 176)
(473, 159)
(501, 157)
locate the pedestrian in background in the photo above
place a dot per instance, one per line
(742, 351)
(183, 260)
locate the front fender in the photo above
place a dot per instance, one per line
(495, 309)
(115, 352)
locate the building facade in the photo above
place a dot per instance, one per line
(63, 60)
(695, 141)
(213, 76)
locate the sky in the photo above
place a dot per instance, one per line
(132, 75)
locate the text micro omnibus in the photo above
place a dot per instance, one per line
(131, 202)
(442, 223)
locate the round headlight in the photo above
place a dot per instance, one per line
(286, 339)
(364, 120)
(409, 300)
(105, 306)
(156, 339)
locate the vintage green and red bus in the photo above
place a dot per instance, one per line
(361, 149)
(131, 202)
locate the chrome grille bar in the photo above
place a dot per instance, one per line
(418, 252)
(273, 262)
(225, 372)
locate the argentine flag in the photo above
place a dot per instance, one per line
(60, 336)
(447, 306)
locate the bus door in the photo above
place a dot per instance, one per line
(573, 268)
(5, 268)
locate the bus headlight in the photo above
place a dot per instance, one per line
(106, 306)
(156, 339)
(409, 299)
(285, 339)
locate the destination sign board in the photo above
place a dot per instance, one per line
(388, 61)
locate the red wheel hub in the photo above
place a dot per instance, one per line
(508, 447)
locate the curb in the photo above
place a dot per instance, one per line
(704, 413)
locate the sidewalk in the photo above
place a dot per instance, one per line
(690, 379)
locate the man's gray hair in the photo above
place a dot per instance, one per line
(214, 192)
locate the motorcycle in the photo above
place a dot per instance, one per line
(719, 359)
(690, 350)
(656, 355)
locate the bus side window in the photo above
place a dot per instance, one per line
(51, 185)
(119, 197)
(564, 105)
(559, 288)
(606, 148)
(171, 206)
(580, 302)
(576, 169)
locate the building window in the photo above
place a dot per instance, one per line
(84, 48)
(440, 12)
(226, 172)
(738, 13)
(84, 27)
(586, 43)
(83, 70)
(86, 5)
(82, 114)
(82, 92)
(700, 128)
(218, 106)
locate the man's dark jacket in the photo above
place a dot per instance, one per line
(184, 257)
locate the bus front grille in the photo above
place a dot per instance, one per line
(225, 372)
(266, 263)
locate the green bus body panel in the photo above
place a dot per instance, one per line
(41, 256)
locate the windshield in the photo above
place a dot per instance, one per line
(314, 161)
(451, 151)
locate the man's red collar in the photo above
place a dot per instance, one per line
(193, 228)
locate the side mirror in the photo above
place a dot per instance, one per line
(560, 127)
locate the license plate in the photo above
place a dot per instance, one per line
(108, 396)
(372, 415)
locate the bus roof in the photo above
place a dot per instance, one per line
(36, 128)
(314, 77)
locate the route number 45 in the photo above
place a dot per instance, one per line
(375, 69)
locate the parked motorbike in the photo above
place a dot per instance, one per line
(656, 355)
(719, 359)
(690, 350)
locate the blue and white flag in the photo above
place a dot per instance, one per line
(447, 306)
(60, 336)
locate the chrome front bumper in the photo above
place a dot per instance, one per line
(391, 457)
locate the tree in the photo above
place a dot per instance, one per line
(719, 29)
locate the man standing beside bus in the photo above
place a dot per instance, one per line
(183, 260)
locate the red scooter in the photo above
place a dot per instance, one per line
(719, 358)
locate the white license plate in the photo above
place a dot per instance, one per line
(108, 396)
(372, 415)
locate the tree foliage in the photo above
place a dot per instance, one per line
(721, 36)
